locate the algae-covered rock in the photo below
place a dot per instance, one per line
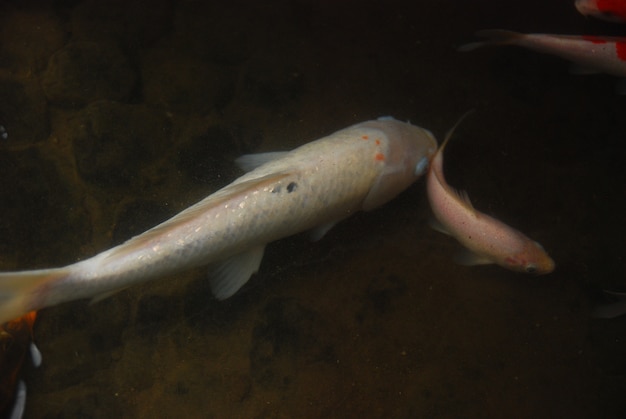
(23, 110)
(113, 140)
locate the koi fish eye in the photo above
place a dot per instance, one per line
(531, 269)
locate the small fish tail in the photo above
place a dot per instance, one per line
(21, 292)
(493, 37)
(454, 127)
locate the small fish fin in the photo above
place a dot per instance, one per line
(105, 295)
(466, 257)
(450, 132)
(436, 225)
(609, 310)
(613, 309)
(24, 291)
(249, 162)
(494, 37)
(230, 275)
(464, 197)
(320, 231)
(618, 295)
(35, 355)
(471, 46)
(581, 70)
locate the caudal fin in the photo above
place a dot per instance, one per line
(21, 292)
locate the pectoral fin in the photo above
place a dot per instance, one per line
(437, 226)
(230, 275)
(105, 295)
(249, 162)
(320, 231)
(609, 310)
(613, 309)
(467, 258)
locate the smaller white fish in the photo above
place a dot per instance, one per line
(610, 10)
(591, 54)
(486, 239)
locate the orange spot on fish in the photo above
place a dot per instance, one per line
(511, 261)
(620, 48)
(378, 141)
(379, 157)
(365, 137)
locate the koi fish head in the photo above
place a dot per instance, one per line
(532, 259)
(610, 10)
(407, 153)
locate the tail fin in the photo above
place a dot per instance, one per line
(494, 37)
(21, 292)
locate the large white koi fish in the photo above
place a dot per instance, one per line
(311, 187)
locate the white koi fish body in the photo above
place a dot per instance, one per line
(590, 53)
(311, 187)
(487, 240)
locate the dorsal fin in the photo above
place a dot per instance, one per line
(249, 162)
(464, 197)
(218, 198)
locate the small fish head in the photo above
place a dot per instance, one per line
(409, 150)
(533, 259)
(585, 7)
(609, 11)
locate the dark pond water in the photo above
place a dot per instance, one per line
(122, 113)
